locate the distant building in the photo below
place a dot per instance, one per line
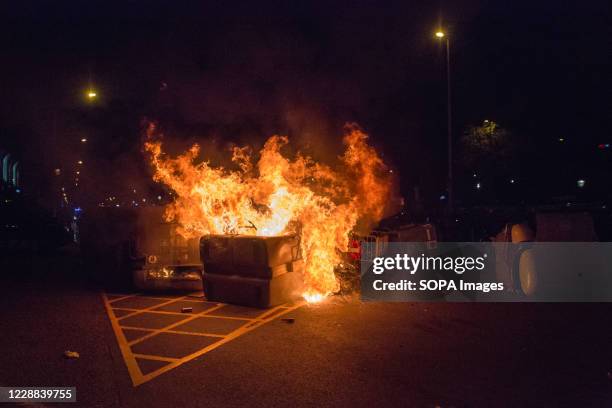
(10, 169)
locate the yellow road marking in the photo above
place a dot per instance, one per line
(122, 298)
(129, 357)
(170, 326)
(126, 352)
(235, 334)
(195, 333)
(173, 331)
(187, 298)
(229, 317)
(155, 358)
(149, 309)
(137, 328)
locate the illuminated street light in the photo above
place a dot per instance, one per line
(84, 140)
(80, 162)
(441, 35)
(91, 94)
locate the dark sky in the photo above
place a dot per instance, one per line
(242, 71)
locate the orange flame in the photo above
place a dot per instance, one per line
(276, 195)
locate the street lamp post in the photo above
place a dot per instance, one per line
(441, 35)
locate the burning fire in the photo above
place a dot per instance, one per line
(276, 195)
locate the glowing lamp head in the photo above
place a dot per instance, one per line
(440, 34)
(91, 94)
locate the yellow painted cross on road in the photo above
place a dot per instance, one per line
(154, 336)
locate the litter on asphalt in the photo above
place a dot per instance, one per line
(71, 354)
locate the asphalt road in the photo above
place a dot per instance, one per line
(338, 353)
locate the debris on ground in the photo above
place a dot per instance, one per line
(71, 354)
(288, 320)
(349, 278)
(187, 310)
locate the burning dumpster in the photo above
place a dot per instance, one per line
(252, 270)
(248, 212)
(168, 261)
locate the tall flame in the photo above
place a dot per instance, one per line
(276, 195)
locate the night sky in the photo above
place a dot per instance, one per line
(238, 72)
